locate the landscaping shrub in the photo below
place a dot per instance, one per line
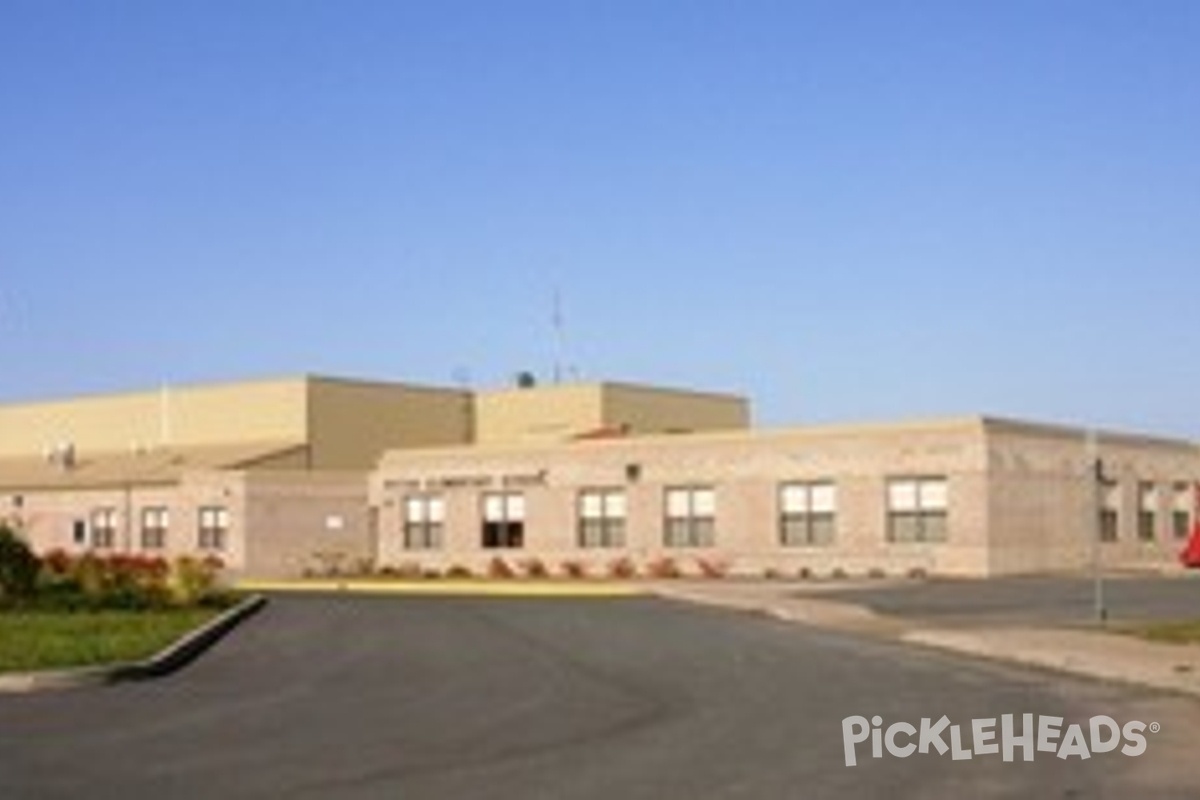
(19, 567)
(622, 568)
(574, 569)
(458, 571)
(499, 568)
(664, 567)
(90, 582)
(712, 567)
(192, 579)
(534, 568)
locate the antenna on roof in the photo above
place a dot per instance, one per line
(556, 320)
(562, 369)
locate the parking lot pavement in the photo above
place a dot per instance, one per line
(1051, 600)
(564, 699)
(1038, 622)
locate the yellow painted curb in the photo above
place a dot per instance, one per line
(449, 588)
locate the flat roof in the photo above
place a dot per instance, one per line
(156, 466)
(191, 385)
(980, 424)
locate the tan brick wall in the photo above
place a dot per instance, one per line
(306, 521)
(745, 469)
(48, 518)
(1042, 504)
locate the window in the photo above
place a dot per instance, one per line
(602, 518)
(503, 520)
(1181, 511)
(1110, 512)
(691, 519)
(424, 519)
(104, 528)
(155, 521)
(214, 527)
(917, 510)
(79, 532)
(1147, 511)
(807, 514)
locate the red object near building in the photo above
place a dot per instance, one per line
(1190, 555)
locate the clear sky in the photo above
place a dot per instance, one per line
(847, 210)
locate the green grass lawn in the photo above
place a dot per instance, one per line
(1178, 632)
(32, 640)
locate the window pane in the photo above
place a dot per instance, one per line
(1183, 497)
(933, 495)
(793, 530)
(1110, 523)
(934, 527)
(704, 503)
(614, 505)
(902, 496)
(1148, 496)
(614, 535)
(903, 527)
(704, 532)
(679, 503)
(515, 507)
(675, 532)
(415, 509)
(822, 529)
(793, 499)
(824, 498)
(592, 505)
(493, 508)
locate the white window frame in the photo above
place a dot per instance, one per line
(601, 515)
(424, 521)
(807, 513)
(922, 501)
(690, 516)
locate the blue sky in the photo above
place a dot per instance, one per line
(848, 210)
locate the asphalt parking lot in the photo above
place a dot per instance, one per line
(339, 697)
(1032, 600)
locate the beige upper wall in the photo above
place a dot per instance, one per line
(174, 416)
(649, 410)
(556, 413)
(542, 414)
(327, 423)
(352, 423)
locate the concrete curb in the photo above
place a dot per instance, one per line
(478, 587)
(173, 657)
(1096, 655)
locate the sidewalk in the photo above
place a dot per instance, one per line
(1091, 653)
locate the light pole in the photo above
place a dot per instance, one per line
(1097, 480)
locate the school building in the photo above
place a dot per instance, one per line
(312, 473)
